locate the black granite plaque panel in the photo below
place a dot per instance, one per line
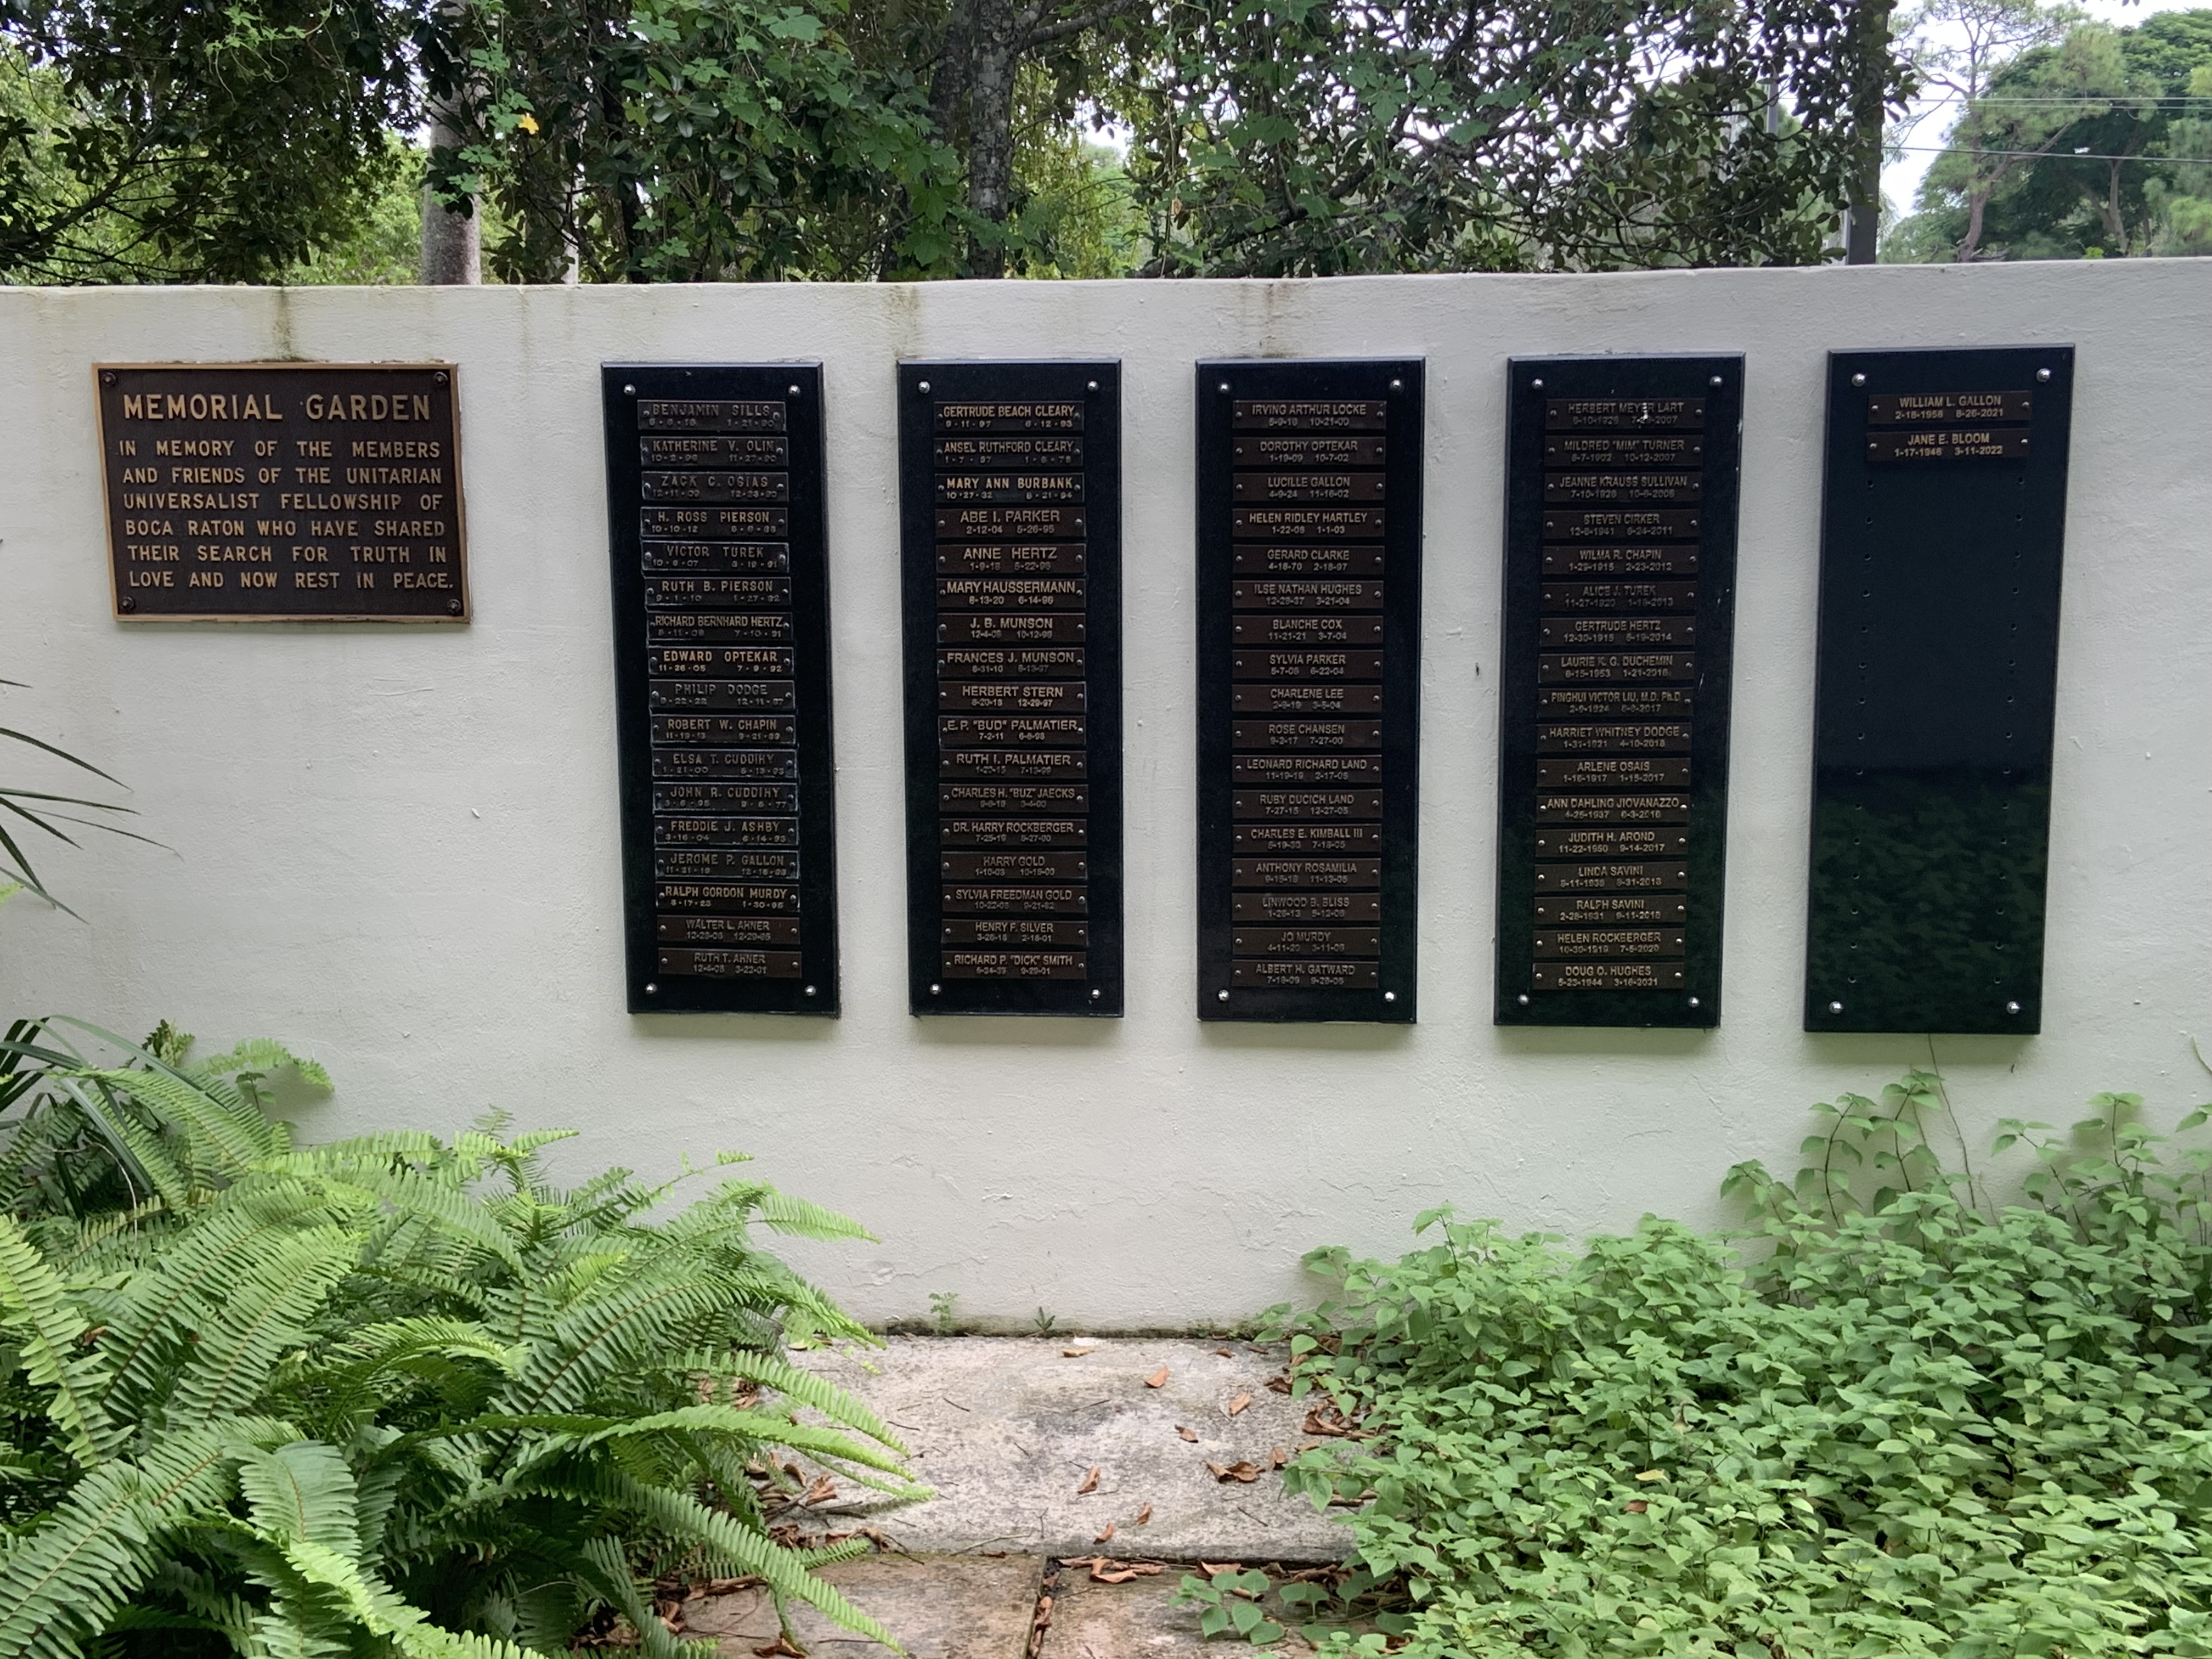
(1619, 602)
(1009, 503)
(721, 628)
(1942, 537)
(1309, 688)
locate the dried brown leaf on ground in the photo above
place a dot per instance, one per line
(1186, 1434)
(1145, 1515)
(1209, 1568)
(1278, 1385)
(820, 1492)
(782, 1644)
(1242, 1469)
(1076, 1354)
(1040, 1625)
(1159, 1379)
(1106, 1571)
(1224, 1353)
(1239, 1403)
(1277, 1457)
(1328, 1420)
(1107, 1536)
(1089, 1483)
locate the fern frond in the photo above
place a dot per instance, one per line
(260, 1056)
(63, 1579)
(840, 1406)
(300, 1489)
(602, 1565)
(267, 1311)
(351, 1371)
(229, 1128)
(681, 1516)
(50, 1332)
(377, 1608)
(753, 1425)
(787, 1214)
(244, 1235)
(413, 1197)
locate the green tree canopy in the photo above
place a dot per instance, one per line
(180, 140)
(2094, 145)
(691, 140)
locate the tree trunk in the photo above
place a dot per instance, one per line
(453, 250)
(2108, 210)
(1869, 49)
(995, 46)
(1977, 201)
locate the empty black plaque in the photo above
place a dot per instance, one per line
(1942, 536)
(1010, 531)
(1309, 688)
(721, 630)
(1621, 483)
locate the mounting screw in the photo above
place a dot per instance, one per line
(936, 989)
(791, 392)
(1835, 1007)
(1221, 996)
(107, 377)
(810, 990)
(1389, 996)
(922, 387)
(651, 989)
(1095, 995)
(1397, 386)
(1093, 384)
(1693, 1002)
(629, 391)
(129, 604)
(1715, 381)
(1224, 386)
(2012, 1007)
(1858, 380)
(1522, 999)
(453, 607)
(2042, 374)
(1536, 385)
(440, 377)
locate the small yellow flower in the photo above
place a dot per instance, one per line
(527, 122)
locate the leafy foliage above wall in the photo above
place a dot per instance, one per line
(394, 1395)
(1909, 1422)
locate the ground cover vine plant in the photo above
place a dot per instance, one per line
(1895, 1417)
(393, 1395)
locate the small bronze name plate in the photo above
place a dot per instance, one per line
(1633, 414)
(1986, 443)
(1601, 561)
(283, 492)
(1949, 408)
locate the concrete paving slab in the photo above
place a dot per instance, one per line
(1006, 1432)
(967, 1607)
(1140, 1619)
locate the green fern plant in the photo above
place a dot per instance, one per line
(393, 1395)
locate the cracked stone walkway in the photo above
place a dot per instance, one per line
(1006, 1432)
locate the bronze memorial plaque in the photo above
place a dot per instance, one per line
(283, 492)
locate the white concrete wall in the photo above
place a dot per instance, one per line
(395, 847)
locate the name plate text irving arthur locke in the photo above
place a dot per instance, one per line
(283, 492)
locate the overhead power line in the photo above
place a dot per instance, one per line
(2050, 154)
